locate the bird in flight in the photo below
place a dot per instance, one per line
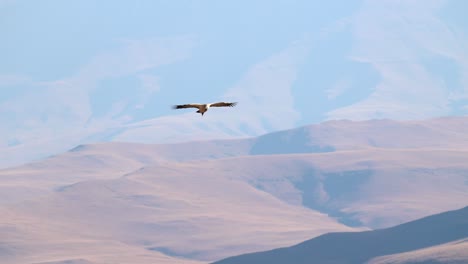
(202, 108)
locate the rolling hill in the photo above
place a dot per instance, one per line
(446, 233)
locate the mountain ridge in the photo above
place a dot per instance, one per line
(360, 247)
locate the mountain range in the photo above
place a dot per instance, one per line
(202, 201)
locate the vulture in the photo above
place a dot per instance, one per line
(202, 108)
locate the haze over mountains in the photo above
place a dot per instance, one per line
(87, 71)
(202, 201)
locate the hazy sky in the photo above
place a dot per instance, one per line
(81, 71)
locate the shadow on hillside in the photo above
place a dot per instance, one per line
(296, 141)
(324, 192)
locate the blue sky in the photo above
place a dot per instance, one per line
(75, 72)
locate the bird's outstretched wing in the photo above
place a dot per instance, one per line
(187, 106)
(223, 104)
